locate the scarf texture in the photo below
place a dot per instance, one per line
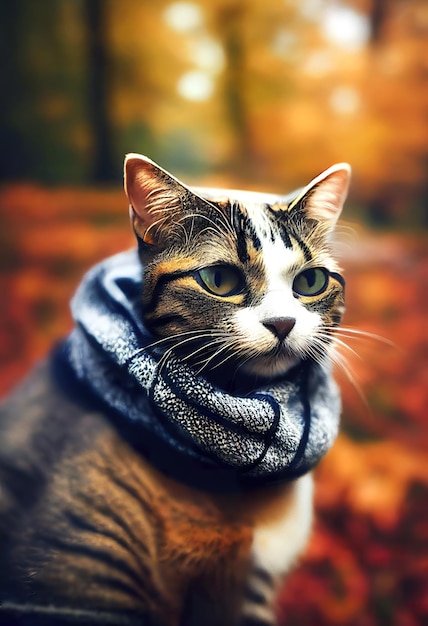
(192, 430)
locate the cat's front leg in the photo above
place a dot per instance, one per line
(279, 539)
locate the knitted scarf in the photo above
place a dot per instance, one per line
(187, 427)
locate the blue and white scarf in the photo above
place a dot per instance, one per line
(195, 432)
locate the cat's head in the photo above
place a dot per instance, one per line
(240, 284)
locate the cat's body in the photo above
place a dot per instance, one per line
(90, 531)
(100, 529)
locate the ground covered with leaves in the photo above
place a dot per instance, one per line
(367, 562)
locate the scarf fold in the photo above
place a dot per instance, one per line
(276, 433)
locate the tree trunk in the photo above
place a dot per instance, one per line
(229, 26)
(104, 167)
(378, 16)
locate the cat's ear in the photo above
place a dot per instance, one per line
(325, 195)
(154, 196)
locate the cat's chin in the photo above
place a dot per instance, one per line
(270, 368)
(248, 377)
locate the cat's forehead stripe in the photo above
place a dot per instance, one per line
(246, 232)
(260, 224)
(285, 238)
(304, 248)
(268, 226)
(256, 211)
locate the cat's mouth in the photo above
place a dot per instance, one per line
(273, 365)
(241, 373)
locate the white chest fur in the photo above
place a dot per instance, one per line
(279, 538)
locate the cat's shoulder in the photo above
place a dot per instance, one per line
(37, 414)
(39, 427)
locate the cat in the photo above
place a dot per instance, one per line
(239, 287)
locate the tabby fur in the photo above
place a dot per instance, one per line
(90, 531)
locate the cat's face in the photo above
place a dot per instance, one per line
(238, 284)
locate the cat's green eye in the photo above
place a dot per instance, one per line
(311, 282)
(221, 280)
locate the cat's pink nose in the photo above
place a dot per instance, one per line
(280, 326)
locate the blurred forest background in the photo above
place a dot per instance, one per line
(261, 95)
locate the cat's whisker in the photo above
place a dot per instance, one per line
(227, 346)
(216, 336)
(337, 358)
(341, 361)
(321, 350)
(164, 360)
(315, 355)
(329, 339)
(193, 333)
(204, 348)
(342, 344)
(336, 336)
(354, 333)
(197, 337)
(326, 345)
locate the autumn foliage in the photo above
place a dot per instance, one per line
(292, 92)
(265, 92)
(367, 563)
